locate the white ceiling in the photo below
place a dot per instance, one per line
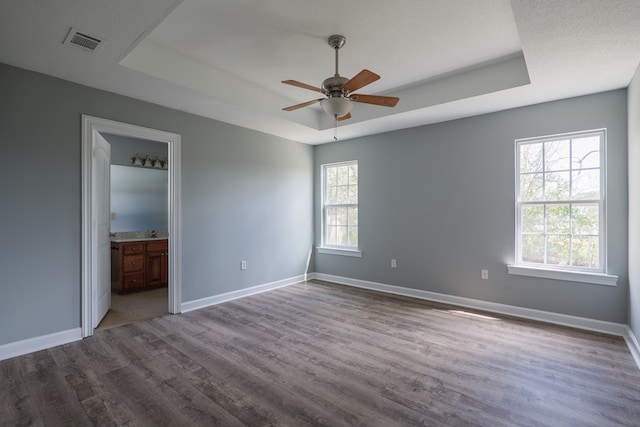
(225, 59)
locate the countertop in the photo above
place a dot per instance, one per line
(138, 239)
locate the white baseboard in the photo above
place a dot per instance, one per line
(229, 296)
(633, 344)
(18, 348)
(611, 328)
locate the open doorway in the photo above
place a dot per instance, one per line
(94, 189)
(138, 223)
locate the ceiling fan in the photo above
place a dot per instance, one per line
(338, 90)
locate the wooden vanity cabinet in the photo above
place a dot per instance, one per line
(157, 263)
(139, 265)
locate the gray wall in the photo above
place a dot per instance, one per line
(440, 199)
(634, 204)
(245, 195)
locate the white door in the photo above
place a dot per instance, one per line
(101, 280)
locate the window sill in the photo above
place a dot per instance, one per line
(572, 276)
(343, 252)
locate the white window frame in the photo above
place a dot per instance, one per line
(570, 273)
(325, 248)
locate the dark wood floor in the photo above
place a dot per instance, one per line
(321, 354)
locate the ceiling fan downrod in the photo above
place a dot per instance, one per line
(336, 42)
(333, 86)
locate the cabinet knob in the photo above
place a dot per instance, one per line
(133, 263)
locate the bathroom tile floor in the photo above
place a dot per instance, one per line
(130, 308)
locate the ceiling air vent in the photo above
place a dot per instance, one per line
(83, 41)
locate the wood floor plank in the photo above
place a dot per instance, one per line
(317, 354)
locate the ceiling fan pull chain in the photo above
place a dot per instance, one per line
(335, 128)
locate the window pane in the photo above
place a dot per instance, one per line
(353, 174)
(341, 236)
(586, 184)
(341, 216)
(332, 196)
(532, 248)
(331, 236)
(585, 251)
(558, 219)
(353, 194)
(586, 152)
(558, 250)
(343, 195)
(331, 176)
(557, 186)
(585, 219)
(532, 220)
(530, 158)
(556, 155)
(343, 175)
(353, 216)
(331, 216)
(531, 187)
(353, 236)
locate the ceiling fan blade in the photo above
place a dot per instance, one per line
(302, 85)
(360, 80)
(345, 117)
(304, 104)
(384, 101)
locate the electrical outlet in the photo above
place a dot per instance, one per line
(243, 265)
(393, 263)
(485, 274)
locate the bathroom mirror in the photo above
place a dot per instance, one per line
(139, 199)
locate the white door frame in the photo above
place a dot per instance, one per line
(90, 127)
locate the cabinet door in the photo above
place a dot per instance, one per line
(165, 268)
(154, 268)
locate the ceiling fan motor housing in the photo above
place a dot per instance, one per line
(332, 86)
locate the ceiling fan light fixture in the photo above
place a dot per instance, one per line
(336, 107)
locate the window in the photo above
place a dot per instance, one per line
(560, 212)
(340, 206)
